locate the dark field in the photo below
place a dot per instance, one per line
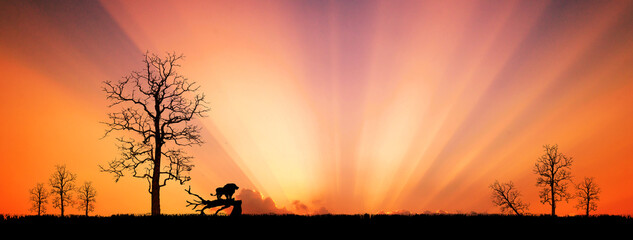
(294, 226)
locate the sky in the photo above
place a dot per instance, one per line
(323, 106)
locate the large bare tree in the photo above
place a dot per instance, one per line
(39, 199)
(86, 197)
(507, 197)
(156, 106)
(554, 174)
(62, 183)
(587, 192)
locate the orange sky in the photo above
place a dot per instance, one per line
(330, 106)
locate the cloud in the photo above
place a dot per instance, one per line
(300, 208)
(254, 203)
(303, 209)
(320, 211)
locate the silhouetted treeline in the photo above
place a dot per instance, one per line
(61, 195)
(553, 170)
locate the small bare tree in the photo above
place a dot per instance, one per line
(62, 183)
(554, 175)
(157, 105)
(39, 199)
(86, 197)
(507, 197)
(587, 192)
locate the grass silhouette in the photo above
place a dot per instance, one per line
(326, 225)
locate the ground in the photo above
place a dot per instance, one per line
(294, 226)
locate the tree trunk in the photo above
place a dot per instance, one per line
(61, 202)
(553, 199)
(515, 211)
(587, 208)
(155, 197)
(237, 208)
(157, 156)
(156, 181)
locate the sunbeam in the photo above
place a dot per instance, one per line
(348, 106)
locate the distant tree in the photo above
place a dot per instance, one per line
(507, 197)
(62, 183)
(554, 175)
(39, 199)
(587, 192)
(86, 197)
(157, 105)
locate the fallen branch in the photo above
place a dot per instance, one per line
(225, 203)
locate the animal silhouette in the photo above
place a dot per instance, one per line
(228, 190)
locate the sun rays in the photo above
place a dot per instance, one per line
(357, 106)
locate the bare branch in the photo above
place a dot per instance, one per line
(179, 165)
(136, 158)
(506, 196)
